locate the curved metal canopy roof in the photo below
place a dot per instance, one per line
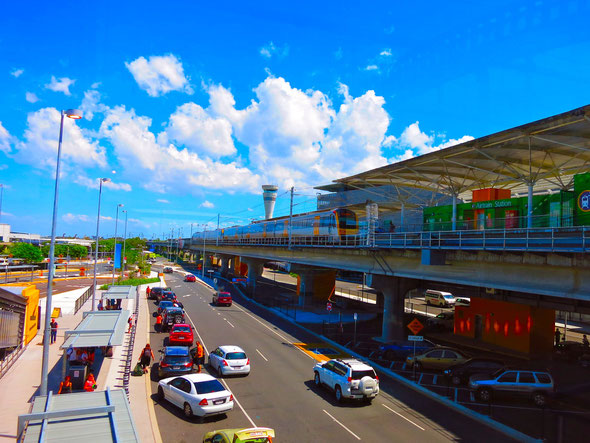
(546, 153)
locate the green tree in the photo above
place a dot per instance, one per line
(26, 251)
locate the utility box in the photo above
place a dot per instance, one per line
(77, 374)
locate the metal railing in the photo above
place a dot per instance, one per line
(9, 360)
(130, 345)
(82, 299)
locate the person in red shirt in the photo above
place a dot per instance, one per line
(158, 326)
(147, 292)
(90, 384)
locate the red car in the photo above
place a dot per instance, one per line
(222, 298)
(181, 334)
(190, 277)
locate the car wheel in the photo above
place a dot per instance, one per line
(338, 393)
(161, 395)
(368, 400)
(316, 379)
(456, 380)
(485, 395)
(219, 372)
(418, 366)
(539, 399)
(188, 411)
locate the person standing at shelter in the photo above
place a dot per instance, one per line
(158, 326)
(54, 326)
(199, 357)
(585, 341)
(146, 358)
(65, 387)
(90, 384)
(557, 336)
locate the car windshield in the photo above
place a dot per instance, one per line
(448, 297)
(176, 359)
(235, 356)
(208, 386)
(357, 375)
(181, 329)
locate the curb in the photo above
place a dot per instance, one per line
(483, 419)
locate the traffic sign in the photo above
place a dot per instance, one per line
(415, 338)
(415, 326)
(356, 316)
(328, 306)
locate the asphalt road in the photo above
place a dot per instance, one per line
(279, 391)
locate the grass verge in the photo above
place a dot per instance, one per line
(132, 282)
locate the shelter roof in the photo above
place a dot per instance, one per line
(120, 292)
(100, 416)
(98, 328)
(546, 154)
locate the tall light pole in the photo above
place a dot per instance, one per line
(1, 195)
(102, 180)
(204, 236)
(74, 114)
(115, 250)
(124, 258)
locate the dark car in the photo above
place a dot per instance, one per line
(570, 351)
(459, 374)
(443, 321)
(165, 304)
(168, 270)
(174, 360)
(399, 350)
(168, 295)
(172, 316)
(157, 292)
(222, 298)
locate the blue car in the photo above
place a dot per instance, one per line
(400, 350)
(175, 360)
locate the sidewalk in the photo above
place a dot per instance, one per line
(21, 383)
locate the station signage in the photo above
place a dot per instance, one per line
(492, 204)
(415, 338)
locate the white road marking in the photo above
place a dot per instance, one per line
(407, 419)
(352, 433)
(230, 323)
(221, 380)
(265, 359)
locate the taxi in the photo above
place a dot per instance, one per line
(249, 435)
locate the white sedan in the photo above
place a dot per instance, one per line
(196, 394)
(229, 360)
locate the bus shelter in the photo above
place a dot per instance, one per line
(100, 416)
(115, 294)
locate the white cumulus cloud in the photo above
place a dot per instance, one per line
(159, 75)
(38, 147)
(163, 200)
(90, 183)
(91, 104)
(31, 97)
(60, 85)
(73, 218)
(421, 143)
(270, 49)
(207, 204)
(191, 126)
(5, 139)
(16, 73)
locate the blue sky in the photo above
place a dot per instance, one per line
(194, 106)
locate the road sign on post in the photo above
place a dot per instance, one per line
(415, 338)
(415, 326)
(328, 306)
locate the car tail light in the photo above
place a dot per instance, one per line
(231, 397)
(203, 402)
(377, 377)
(187, 364)
(225, 363)
(248, 362)
(164, 365)
(349, 379)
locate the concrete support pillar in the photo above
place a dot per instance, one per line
(316, 283)
(454, 216)
(394, 290)
(255, 267)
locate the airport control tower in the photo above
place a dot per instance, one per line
(269, 193)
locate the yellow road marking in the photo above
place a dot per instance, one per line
(321, 351)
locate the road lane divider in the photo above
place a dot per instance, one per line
(332, 417)
(265, 359)
(221, 380)
(230, 323)
(405, 418)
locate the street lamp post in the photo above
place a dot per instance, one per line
(2, 195)
(102, 180)
(204, 236)
(74, 114)
(115, 249)
(124, 256)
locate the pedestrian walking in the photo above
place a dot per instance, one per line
(147, 292)
(130, 322)
(65, 387)
(146, 357)
(585, 341)
(199, 357)
(100, 305)
(557, 336)
(158, 326)
(54, 326)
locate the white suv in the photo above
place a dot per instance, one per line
(348, 378)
